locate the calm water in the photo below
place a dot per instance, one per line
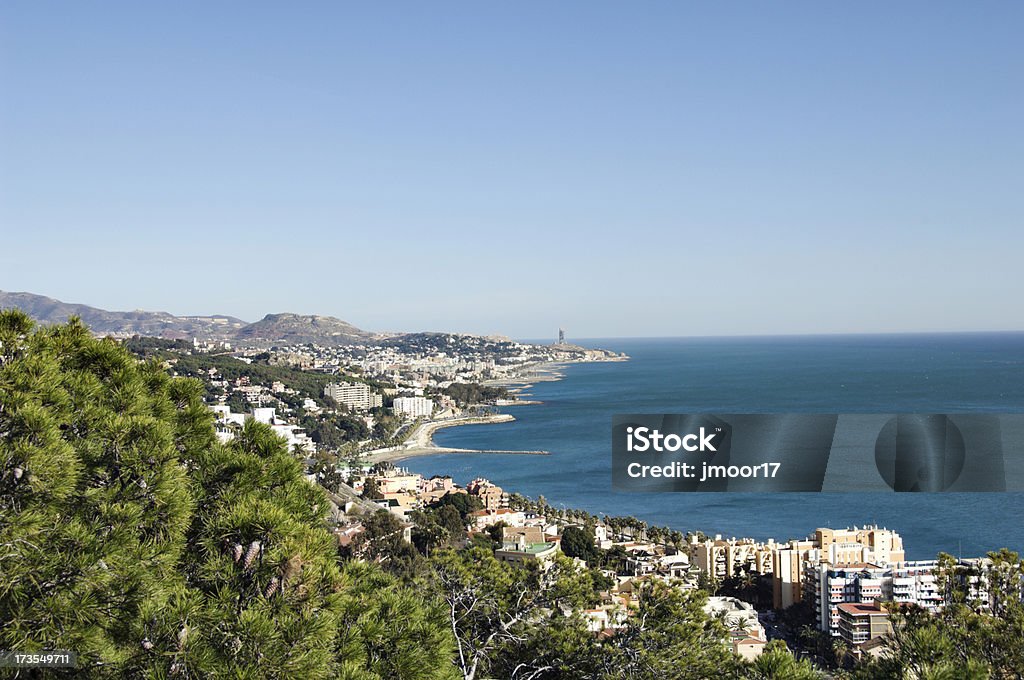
(867, 374)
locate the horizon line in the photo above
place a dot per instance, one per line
(523, 338)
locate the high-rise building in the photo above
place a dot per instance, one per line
(414, 407)
(561, 336)
(356, 396)
(828, 586)
(490, 494)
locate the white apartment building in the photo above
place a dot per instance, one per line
(413, 407)
(357, 396)
(827, 586)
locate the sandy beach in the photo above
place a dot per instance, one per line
(421, 442)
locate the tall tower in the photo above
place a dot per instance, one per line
(561, 336)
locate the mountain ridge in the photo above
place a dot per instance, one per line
(282, 327)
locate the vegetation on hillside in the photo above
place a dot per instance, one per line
(131, 536)
(465, 394)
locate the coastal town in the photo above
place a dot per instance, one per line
(823, 592)
(348, 414)
(843, 578)
(326, 430)
(390, 394)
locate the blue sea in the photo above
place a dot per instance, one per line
(940, 373)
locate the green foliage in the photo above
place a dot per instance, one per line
(382, 542)
(146, 347)
(495, 609)
(748, 586)
(262, 562)
(462, 502)
(777, 663)
(579, 542)
(94, 498)
(670, 636)
(389, 631)
(307, 383)
(465, 394)
(385, 425)
(371, 489)
(334, 431)
(131, 536)
(442, 526)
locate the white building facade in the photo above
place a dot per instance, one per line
(413, 407)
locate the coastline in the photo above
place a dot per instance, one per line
(421, 442)
(545, 371)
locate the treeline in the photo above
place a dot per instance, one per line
(334, 430)
(146, 347)
(474, 393)
(132, 537)
(306, 383)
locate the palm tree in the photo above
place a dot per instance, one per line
(654, 534)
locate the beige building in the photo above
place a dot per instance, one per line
(725, 558)
(868, 544)
(437, 487)
(787, 572)
(491, 495)
(860, 622)
(397, 482)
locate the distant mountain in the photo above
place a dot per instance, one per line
(298, 329)
(284, 329)
(155, 324)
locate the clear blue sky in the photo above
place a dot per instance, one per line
(619, 169)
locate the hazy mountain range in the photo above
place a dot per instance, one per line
(273, 328)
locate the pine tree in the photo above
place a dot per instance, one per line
(131, 536)
(94, 499)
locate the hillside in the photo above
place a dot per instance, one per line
(298, 329)
(156, 324)
(286, 329)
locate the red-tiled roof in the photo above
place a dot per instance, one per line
(862, 609)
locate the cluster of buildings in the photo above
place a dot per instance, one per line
(433, 360)
(746, 633)
(530, 537)
(255, 394)
(401, 370)
(400, 491)
(844, 575)
(228, 423)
